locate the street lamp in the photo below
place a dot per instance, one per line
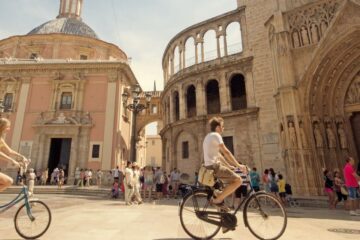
(135, 107)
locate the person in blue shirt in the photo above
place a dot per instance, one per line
(255, 180)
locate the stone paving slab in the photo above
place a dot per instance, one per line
(95, 218)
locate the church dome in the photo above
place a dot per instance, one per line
(64, 25)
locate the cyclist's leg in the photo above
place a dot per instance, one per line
(5, 182)
(226, 175)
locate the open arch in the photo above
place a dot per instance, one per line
(191, 101)
(210, 46)
(212, 97)
(233, 37)
(189, 52)
(238, 92)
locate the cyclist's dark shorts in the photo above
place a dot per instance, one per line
(225, 174)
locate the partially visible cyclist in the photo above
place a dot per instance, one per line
(8, 155)
(223, 166)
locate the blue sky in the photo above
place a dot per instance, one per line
(142, 28)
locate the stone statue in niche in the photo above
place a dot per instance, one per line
(292, 135)
(342, 136)
(318, 136)
(304, 36)
(282, 137)
(330, 136)
(304, 143)
(314, 33)
(296, 40)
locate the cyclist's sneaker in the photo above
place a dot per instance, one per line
(221, 206)
(225, 230)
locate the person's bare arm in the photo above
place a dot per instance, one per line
(6, 158)
(231, 159)
(356, 176)
(8, 151)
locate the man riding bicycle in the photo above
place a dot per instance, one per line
(223, 166)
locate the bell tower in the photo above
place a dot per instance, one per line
(70, 9)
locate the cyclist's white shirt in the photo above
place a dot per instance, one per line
(211, 148)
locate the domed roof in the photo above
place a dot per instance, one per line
(71, 26)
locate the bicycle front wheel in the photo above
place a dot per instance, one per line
(194, 226)
(265, 216)
(35, 225)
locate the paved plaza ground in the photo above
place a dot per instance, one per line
(90, 218)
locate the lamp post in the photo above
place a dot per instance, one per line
(135, 107)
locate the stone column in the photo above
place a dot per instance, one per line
(218, 46)
(182, 102)
(224, 94)
(172, 65)
(171, 103)
(249, 85)
(225, 45)
(202, 51)
(196, 53)
(20, 114)
(200, 99)
(183, 57)
(180, 59)
(109, 124)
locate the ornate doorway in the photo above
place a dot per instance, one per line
(59, 155)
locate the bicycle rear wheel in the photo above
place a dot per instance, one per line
(194, 226)
(36, 227)
(265, 216)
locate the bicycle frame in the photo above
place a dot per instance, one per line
(23, 195)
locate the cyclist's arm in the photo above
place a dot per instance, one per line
(8, 151)
(6, 158)
(231, 159)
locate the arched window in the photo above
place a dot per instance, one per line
(233, 38)
(8, 101)
(210, 45)
(176, 106)
(238, 92)
(66, 100)
(191, 101)
(189, 52)
(212, 97)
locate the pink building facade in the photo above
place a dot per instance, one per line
(61, 88)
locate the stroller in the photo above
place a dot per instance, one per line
(291, 201)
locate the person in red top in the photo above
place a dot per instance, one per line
(351, 182)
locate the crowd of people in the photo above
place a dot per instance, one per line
(347, 189)
(152, 182)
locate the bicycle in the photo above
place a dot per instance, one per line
(201, 220)
(32, 219)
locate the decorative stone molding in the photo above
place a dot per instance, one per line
(353, 94)
(308, 24)
(77, 118)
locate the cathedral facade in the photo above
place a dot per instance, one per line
(287, 86)
(61, 88)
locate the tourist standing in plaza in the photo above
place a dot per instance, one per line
(223, 167)
(77, 176)
(273, 178)
(44, 176)
(281, 186)
(8, 155)
(61, 179)
(128, 183)
(159, 180)
(136, 183)
(116, 174)
(31, 182)
(338, 186)
(329, 188)
(148, 182)
(99, 175)
(174, 181)
(351, 182)
(255, 179)
(265, 180)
